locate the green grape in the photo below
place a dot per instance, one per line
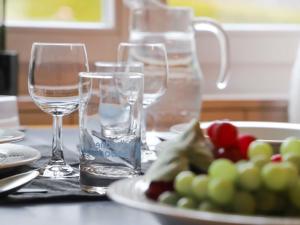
(259, 148)
(282, 204)
(291, 211)
(183, 183)
(268, 202)
(291, 144)
(187, 203)
(243, 203)
(241, 162)
(199, 186)
(275, 176)
(260, 160)
(223, 168)
(169, 198)
(293, 158)
(291, 172)
(208, 206)
(221, 190)
(249, 177)
(294, 194)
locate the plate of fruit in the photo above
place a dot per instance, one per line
(227, 178)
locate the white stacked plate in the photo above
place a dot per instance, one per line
(10, 135)
(13, 155)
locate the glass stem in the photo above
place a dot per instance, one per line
(57, 145)
(143, 127)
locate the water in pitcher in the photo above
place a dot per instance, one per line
(182, 100)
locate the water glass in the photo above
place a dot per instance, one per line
(110, 127)
(154, 58)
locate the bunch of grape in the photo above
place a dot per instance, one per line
(226, 141)
(265, 184)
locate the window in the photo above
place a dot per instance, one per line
(245, 11)
(54, 10)
(60, 13)
(94, 22)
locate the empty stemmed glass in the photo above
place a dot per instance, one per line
(53, 84)
(154, 58)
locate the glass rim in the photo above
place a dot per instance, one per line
(57, 44)
(133, 44)
(109, 75)
(118, 64)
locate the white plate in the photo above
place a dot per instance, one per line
(12, 155)
(267, 131)
(9, 135)
(130, 192)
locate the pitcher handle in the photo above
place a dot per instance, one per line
(208, 24)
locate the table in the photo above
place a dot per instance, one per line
(77, 213)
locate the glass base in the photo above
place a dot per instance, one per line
(95, 178)
(92, 189)
(59, 171)
(147, 155)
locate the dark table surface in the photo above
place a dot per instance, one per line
(76, 213)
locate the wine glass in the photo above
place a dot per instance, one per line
(156, 70)
(53, 84)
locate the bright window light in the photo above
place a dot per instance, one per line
(245, 11)
(54, 10)
(60, 13)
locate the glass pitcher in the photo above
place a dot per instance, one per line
(176, 28)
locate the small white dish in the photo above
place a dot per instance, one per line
(131, 192)
(13, 155)
(266, 131)
(10, 135)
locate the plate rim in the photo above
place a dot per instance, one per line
(247, 124)
(210, 217)
(241, 123)
(20, 136)
(23, 161)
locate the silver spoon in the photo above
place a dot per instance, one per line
(13, 183)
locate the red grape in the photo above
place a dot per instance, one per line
(157, 187)
(210, 130)
(232, 154)
(224, 135)
(276, 158)
(243, 144)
